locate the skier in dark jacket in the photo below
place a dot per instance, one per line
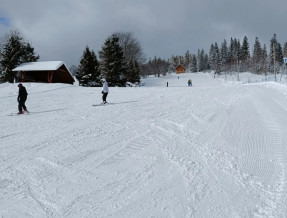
(22, 97)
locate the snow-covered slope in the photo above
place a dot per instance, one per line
(216, 149)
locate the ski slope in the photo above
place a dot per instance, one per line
(216, 149)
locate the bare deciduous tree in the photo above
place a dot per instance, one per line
(131, 47)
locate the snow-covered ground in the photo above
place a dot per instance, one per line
(216, 149)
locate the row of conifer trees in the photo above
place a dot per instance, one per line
(113, 66)
(121, 59)
(235, 57)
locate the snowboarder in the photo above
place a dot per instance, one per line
(22, 97)
(105, 90)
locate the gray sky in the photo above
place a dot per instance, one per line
(61, 29)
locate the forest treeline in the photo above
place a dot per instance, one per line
(122, 60)
(235, 56)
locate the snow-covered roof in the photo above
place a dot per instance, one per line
(40, 66)
(180, 65)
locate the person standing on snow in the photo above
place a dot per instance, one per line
(105, 90)
(22, 97)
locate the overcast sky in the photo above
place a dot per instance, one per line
(61, 29)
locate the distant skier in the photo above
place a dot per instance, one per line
(22, 97)
(189, 82)
(105, 90)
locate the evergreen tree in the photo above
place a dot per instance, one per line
(187, 60)
(206, 62)
(244, 50)
(257, 56)
(276, 54)
(285, 50)
(264, 59)
(14, 52)
(285, 53)
(273, 50)
(112, 65)
(193, 67)
(133, 72)
(223, 56)
(244, 54)
(280, 54)
(211, 56)
(172, 64)
(130, 68)
(88, 72)
(29, 54)
(230, 59)
(236, 54)
(215, 58)
(201, 61)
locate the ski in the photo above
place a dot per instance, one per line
(16, 114)
(102, 104)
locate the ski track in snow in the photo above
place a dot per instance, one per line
(216, 149)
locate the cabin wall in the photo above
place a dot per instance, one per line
(180, 69)
(61, 75)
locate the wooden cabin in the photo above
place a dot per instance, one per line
(180, 69)
(44, 72)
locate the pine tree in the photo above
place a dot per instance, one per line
(112, 65)
(193, 67)
(201, 61)
(273, 42)
(285, 50)
(275, 53)
(14, 51)
(172, 64)
(130, 68)
(211, 56)
(280, 54)
(285, 53)
(29, 54)
(264, 59)
(88, 72)
(244, 54)
(187, 60)
(230, 59)
(135, 75)
(257, 56)
(215, 58)
(133, 72)
(223, 56)
(236, 54)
